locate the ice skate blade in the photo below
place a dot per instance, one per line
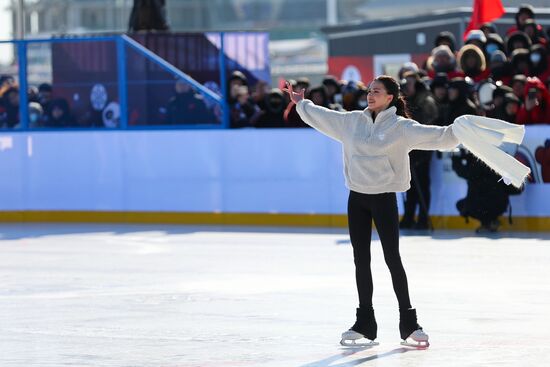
(353, 343)
(418, 345)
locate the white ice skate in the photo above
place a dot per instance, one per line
(418, 339)
(352, 338)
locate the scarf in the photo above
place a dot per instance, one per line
(482, 136)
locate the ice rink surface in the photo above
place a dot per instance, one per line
(116, 295)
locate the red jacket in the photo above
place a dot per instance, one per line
(539, 114)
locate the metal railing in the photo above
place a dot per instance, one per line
(123, 43)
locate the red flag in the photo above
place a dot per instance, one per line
(484, 11)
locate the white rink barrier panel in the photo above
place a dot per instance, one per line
(269, 171)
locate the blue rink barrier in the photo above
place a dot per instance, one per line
(223, 176)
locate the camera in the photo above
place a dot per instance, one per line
(532, 94)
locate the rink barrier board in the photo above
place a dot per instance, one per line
(245, 177)
(247, 219)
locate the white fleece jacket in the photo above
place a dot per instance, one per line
(376, 152)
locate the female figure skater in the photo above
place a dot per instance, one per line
(376, 143)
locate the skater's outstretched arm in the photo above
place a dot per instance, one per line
(424, 137)
(329, 122)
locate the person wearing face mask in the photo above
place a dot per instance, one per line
(36, 113)
(494, 43)
(361, 99)
(539, 62)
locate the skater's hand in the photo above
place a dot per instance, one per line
(294, 97)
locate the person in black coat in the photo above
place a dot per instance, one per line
(423, 109)
(487, 197)
(438, 87)
(148, 15)
(273, 115)
(59, 114)
(459, 101)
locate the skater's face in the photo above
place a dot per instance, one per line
(378, 97)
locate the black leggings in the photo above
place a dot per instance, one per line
(362, 209)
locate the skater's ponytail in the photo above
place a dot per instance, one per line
(393, 88)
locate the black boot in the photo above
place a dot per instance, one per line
(408, 322)
(366, 323)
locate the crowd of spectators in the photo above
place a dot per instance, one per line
(44, 110)
(506, 78)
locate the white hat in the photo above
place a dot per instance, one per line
(476, 35)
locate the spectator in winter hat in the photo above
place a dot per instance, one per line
(58, 114)
(442, 60)
(536, 105)
(525, 11)
(498, 102)
(500, 68)
(518, 85)
(236, 80)
(494, 42)
(259, 91)
(517, 40)
(45, 94)
(244, 112)
(36, 113)
(476, 37)
(539, 62)
(11, 107)
(459, 101)
(318, 96)
(408, 66)
(531, 29)
(302, 83)
(361, 99)
(333, 89)
(521, 61)
(273, 116)
(472, 62)
(446, 38)
(511, 107)
(488, 28)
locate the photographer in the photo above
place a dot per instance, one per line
(536, 109)
(487, 196)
